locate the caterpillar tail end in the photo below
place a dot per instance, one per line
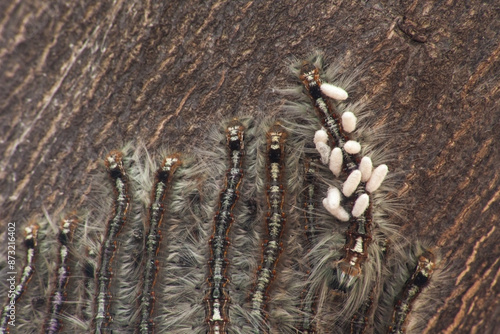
(345, 276)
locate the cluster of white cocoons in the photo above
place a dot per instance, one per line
(365, 173)
(373, 179)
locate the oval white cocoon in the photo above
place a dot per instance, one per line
(378, 176)
(348, 122)
(352, 147)
(336, 161)
(366, 167)
(351, 183)
(334, 92)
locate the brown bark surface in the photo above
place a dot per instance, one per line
(80, 78)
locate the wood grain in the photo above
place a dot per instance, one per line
(78, 79)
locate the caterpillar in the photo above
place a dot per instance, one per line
(118, 176)
(344, 282)
(65, 237)
(217, 300)
(275, 218)
(412, 288)
(16, 291)
(163, 180)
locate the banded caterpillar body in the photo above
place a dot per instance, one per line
(308, 300)
(162, 184)
(412, 288)
(344, 281)
(344, 157)
(65, 237)
(217, 299)
(119, 179)
(276, 217)
(30, 242)
(201, 246)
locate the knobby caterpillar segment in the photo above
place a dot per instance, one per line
(163, 180)
(358, 238)
(361, 319)
(275, 220)
(65, 238)
(30, 242)
(411, 290)
(118, 176)
(217, 300)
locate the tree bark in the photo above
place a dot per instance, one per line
(78, 79)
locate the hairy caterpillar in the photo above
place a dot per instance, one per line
(114, 165)
(163, 180)
(276, 217)
(217, 299)
(65, 237)
(30, 242)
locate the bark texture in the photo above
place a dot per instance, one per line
(80, 78)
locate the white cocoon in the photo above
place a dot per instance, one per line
(352, 147)
(324, 151)
(333, 197)
(334, 92)
(378, 176)
(366, 167)
(360, 205)
(336, 161)
(351, 183)
(320, 136)
(348, 122)
(338, 212)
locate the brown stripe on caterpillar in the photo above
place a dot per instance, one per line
(217, 299)
(310, 77)
(275, 219)
(53, 322)
(119, 179)
(30, 242)
(163, 180)
(411, 290)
